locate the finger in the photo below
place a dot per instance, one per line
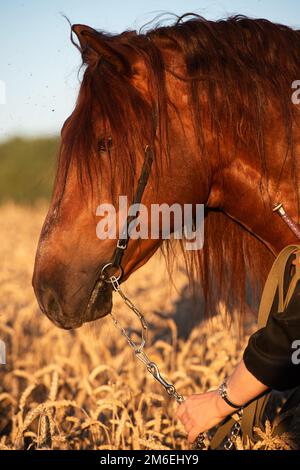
(193, 434)
(185, 418)
(181, 410)
(189, 426)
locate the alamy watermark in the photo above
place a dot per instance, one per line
(2, 352)
(161, 221)
(296, 353)
(296, 94)
(2, 92)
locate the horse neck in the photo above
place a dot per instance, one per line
(229, 176)
(243, 193)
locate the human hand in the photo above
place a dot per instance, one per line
(200, 412)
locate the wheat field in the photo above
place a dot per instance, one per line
(84, 389)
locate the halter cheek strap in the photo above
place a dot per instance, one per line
(115, 263)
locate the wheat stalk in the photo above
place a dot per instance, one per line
(84, 390)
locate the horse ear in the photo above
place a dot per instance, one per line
(94, 46)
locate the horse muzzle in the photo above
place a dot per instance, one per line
(67, 314)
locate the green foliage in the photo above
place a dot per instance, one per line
(27, 169)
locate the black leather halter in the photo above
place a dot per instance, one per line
(114, 266)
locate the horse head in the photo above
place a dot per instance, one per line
(121, 110)
(212, 100)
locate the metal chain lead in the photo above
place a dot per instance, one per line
(139, 352)
(153, 368)
(234, 433)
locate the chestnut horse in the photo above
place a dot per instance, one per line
(213, 101)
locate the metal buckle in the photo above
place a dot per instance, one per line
(119, 244)
(117, 275)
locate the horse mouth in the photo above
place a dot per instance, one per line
(99, 305)
(100, 301)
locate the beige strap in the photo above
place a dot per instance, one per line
(283, 421)
(275, 279)
(221, 433)
(253, 413)
(293, 282)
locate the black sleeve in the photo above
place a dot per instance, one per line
(269, 353)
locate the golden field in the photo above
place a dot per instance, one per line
(84, 389)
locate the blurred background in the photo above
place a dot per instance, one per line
(39, 72)
(83, 389)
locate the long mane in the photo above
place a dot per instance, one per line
(239, 65)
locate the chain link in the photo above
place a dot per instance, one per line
(234, 433)
(153, 368)
(139, 352)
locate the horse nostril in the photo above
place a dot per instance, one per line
(50, 304)
(53, 306)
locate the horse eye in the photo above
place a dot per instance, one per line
(105, 144)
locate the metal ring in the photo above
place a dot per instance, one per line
(171, 390)
(117, 275)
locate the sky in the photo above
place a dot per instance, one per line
(39, 65)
